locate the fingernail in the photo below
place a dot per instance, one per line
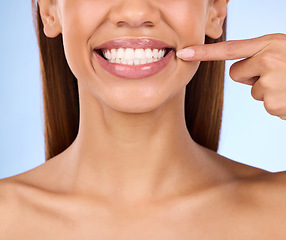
(186, 53)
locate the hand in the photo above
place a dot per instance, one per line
(263, 66)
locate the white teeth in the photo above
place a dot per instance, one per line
(148, 53)
(131, 56)
(139, 54)
(136, 61)
(155, 53)
(113, 54)
(120, 53)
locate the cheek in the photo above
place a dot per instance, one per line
(188, 19)
(80, 20)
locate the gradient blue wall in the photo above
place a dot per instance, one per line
(249, 134)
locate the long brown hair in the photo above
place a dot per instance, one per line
(203, 101)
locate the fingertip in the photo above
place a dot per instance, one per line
(178, 54)
(186, 53)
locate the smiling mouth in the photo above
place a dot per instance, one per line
(133, 56)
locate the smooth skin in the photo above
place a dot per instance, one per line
(133, 171)
(263, 66)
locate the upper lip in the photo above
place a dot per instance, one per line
(134, 43)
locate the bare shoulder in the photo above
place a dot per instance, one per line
(261, 197)
(259, 186)
(8, 206)
(236, 169)
(270, 185)
(7, 193)
(45, 177)
(266, 194)
(256, 178)
(263, 183)
(24, 204)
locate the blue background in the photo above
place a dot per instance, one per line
(249, 134)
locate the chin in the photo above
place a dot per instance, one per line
(136, 105)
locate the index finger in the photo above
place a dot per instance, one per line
(228, 50)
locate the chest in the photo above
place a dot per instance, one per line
(182, 222)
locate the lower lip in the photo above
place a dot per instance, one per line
(135, 71)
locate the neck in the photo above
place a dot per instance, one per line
(133, 154)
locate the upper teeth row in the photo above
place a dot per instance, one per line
(132, 54)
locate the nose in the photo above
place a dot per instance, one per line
(134, 13)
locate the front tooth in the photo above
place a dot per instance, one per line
(130, 62)
(120, 53)
(129, 54)
(134, 56)
(136, 61)
(124, 61)
(139, 54)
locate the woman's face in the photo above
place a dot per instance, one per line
(87, 24)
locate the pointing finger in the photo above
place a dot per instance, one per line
(228, 50)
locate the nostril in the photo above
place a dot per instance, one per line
(121, 23)
(135, 23)
(148, 23)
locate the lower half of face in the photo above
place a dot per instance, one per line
(116, 83)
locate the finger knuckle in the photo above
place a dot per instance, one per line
(265, 83)
(268, 61)
(255, 94)
(234, 72)
(231, 48)
(273, 106)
